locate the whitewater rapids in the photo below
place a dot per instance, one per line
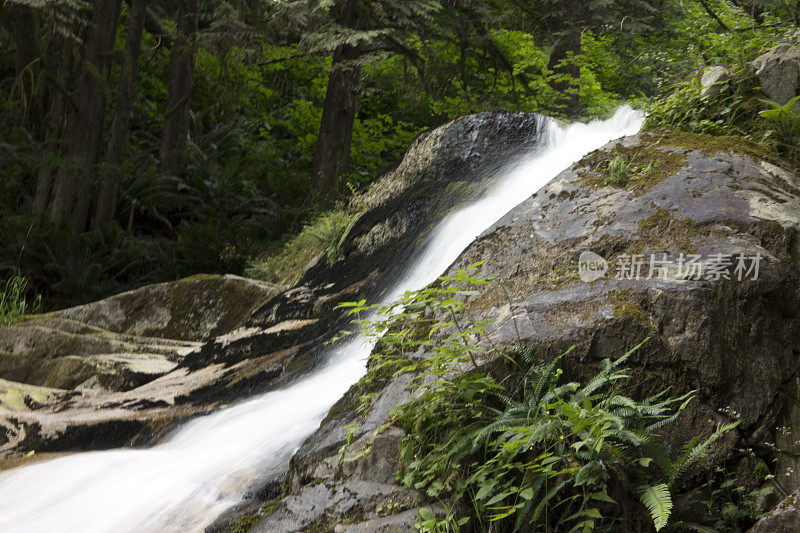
(205, 467)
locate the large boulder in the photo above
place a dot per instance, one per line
(127, 340)
(442, 168)
(66, 378)
(197, 308)
(778, 72)
(712, 79)
(733, 341)
(729, 334)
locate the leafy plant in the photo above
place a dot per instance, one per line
(390, 508)
(13, 304)
(622, 170)
(733, 109)
(786, 119)
(553, 454)
(429, 523)
(729, 506)
(724, 111)
(534, 449)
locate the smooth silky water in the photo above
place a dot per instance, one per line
(205, 467)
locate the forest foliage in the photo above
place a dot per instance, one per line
(146, 140)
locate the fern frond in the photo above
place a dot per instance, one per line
(658, 501)
(693, 452)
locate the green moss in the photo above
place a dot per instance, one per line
(711, 145)
(659, 232)
(559, 271)
(17, 396)
(625, 305)
(637, 168)
(555, 276)
(662, 229)
(69, 372)
(246, 523)
(200, 277)
(328, 525)
(325, 235)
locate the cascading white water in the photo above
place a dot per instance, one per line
(184, 483)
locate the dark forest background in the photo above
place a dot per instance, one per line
(147, 140)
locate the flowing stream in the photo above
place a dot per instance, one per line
(204, 467)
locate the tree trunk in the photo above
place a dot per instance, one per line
(22, 25)
(181, 74)
(126, 93)
(567, 71)
(55, 121)
(332, 155)
(85, 125)
(154, 26)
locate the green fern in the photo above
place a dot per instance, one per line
(694, 452)
(658, 501)
(520, 455)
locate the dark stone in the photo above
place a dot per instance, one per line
(735, 342)
(785, 518)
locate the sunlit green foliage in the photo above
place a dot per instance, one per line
(320, 239)
(734, 107)
(260, 79)
(13, 303)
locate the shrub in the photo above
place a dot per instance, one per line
(735, 107)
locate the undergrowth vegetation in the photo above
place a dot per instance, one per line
(623, 169)
(734, 106)
(240, 201)
(527, 449)
(320, 238)
(13, 303)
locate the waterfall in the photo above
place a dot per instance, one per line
(204, 467)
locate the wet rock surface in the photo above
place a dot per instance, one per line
(731, 338)
(785, 518)
(124, 370)
(81, 378)
(734, 342)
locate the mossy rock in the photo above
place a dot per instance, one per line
(197, 308)
(733, 342)
(130, 339)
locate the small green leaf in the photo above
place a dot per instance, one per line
(426, 514)
(602, 496)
